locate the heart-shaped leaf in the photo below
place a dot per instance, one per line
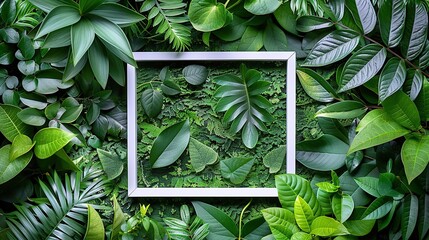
(50, 140)
(201, 155)
(195, 74)
(170, 144)
(391, 78)
(343, 110)
(10, 168)
(208, 15)
(11, 126)
(236, 169)
(415, 156)
(416, 27)
(21, 145)
(363, 13)
(275, 159)
(391, 18)
(152, 102)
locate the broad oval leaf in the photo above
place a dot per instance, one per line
(323, 154)
(261, 7)
(315, 85)
(409, 215)
(342, 206)
(379, 208)
(152, 102)
(95, 227)
(332, 48)
(400, 108)
(303, 214)
(195, 74)
(391, 18)
(201, 155)
(413, 83)
(275, 159)
(415, 156)
(82, 36)
(343, 110)
(311, 23)
(11, 126)
(363, 13)
(209, 15)
(391, 78)
(416, 27)
(170, 144)
(59, 17)
(362, 66)
(10, 168)
(33, 117)
(49, 141)
(236, 169)
(21, 145)
(327, 227)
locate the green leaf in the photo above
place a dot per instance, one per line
(170, 144)
(208, 15)
(232, 31)
(21, 145)
(49, 141)
(379, 208)
(9, 35)
(236, 169)
(201, 155)
(359, 228)
(327, 187)
(363, 13)
(400, 108)
(11, 126)
(324, 199)
(71, 113)
(252, 39)
(424, 57)
(58, 38)
(369, 185)
(333, 127)
(112, 164)
(284, 218)
(315, 85)
(422, 101)
(31, 116)
(391, 18)
(304, 216)
(327, 227)
(413, 83)
(332, 48)
(301, 236)
(82, 36)
(275, 159)
(274, 38)
(311, 23)
(89, 5)
(49, 5)
(416, 27)
(118, 14)
(362, 66)
(116, 69)
(391, 78)
(94, 227)
(10, 168)
(289, 186)
(60, 17)
(8, 11)
(195, 74)
(323, 154)
(152, 102)
(261, 7)
(374, 129)
(409, 215)
(342, 110)
(221, 226)
(415, 156)
(99, 62)
(423, 216)
(342, 206)
(286, 18)
(6, 54)
(118, 219)
(255, 229)
(25, 44)
(92, 113)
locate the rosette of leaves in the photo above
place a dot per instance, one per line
(244, 106)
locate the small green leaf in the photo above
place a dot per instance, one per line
(415, 156)
(31, 116)
(274, 38)
(112, 164)
(369, 185)
(379, 208)
(342, 206)
(201, 155)
(343, 110)
(363, 13)
(170, 144)
(8, 11)
(304, 216)
(95, 227)
(208, 15)
(413, 83)
(195, 74)
(392, 78)
(416, 27)
(21, 145)
(59, 17)
(82, 37)
(409, 215)
(311, 23)
(236, 169)
(391, 18)
(99, 62)
(8, 168)
(152, 102)
(327, 227)
(301, 236)
(11, 126)
(118, 219)
(275, 159)
(49, 141)
(400, 108)
(261, 7)
(315, 85)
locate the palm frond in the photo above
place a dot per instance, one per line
(62, 213)
(27, 15)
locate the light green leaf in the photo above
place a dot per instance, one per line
(94, 227)
(315, 85)
(363, 13)
(275, 159)
(369, 185)
(252, 39)
(261, 7)
(281, 216)
(236, 169)
(342, 110)
(416, 27)
(391, 18)
(152, 102)
(301, 236)
(99, 62)
(195, 74)
(112, 164)
(10, 168)
(379, 208)
(49, 141)
(118, 219)
(327, 227)
(323, 154)
(332, 48)
(362, 66)
(274, 38)
(60, 17)
(21, 145)
(304, 216)
(342, 206)
(118, 14)
(11, 126)
(201, 155)
(415, 156)
(311, 23)
(391, 78)
(374, 129)
(82, 36)
(221, 226)
(324, 199)
(208, 15)
(400, 108)
(409, 215)
(170, 144)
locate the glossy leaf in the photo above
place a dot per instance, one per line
(170, 144)
(311, 23)
(236, 169)
(275, 159)
(327, 227)
(94, 227)
(379, 208)
(324, 199)
(21, 145)
(11, 126)
(232, 31)
(342, 110)
(303, 214)
(261, 7)
(117, 14)
(118, 219)
(99, 62)
(195, 74)
(423, 216)
(369, 185)
(342, 206)
(391, 18)
(112, 164)
(281, 222)
(59, 17)
(201, 155)
(315, 85)
(208, 15)
(252, 39)
(286, 18)
(416, 27)
(323, 154)
(10, 168)
(424, 57)
(49, 141)
(31, 116)
(332, 48)
(359, 228)
(415, 156)
(274, 38)
(363, 13)
(422, 101)
(116, 69)
(82, 37)
(413, 83)
(400, 108)
(409, 215)
(333, 127)
(6, 54)
(25, 44)
(49, 5)
(8, 11)
(152, 102)
(391, 78)
(363, 65)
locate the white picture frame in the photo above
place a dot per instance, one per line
(134, 191)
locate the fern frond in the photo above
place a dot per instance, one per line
(169, 16)
(63, 214)
(27, 16)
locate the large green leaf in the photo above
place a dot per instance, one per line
(315, 85)
(236, 169)
(201, 155)
(60, 17)
(21, 145)
(286, 18)
(255, 229)
(326, 227)
(400, 108)
(379, 208)
(333, 127)
(281, 222)
(342, 206)
(274, 38)
(323, 154)
(422, 101)
(261, 7)
(170, 144)
(10, 168)
(11, 126)
(289, 186)
(118, 14)
(116, 69)
(49, 141)
(111, 163)
(208, 15)
(413, 83)
(409, 214)
(99, 62)
(221, 226)
(376, 128)
(82, 36)
(275, 159)
(359, 228)
(152, 102)
(94, 227)
(391, 18)
(332, 48)
(48, 5)
(342, 110)
(311, 23)
(415, 156)
(232, 31)
(362, 66)
(363, 13)
(303, 214)
(416, 27)
(252, 39)
(392, 78)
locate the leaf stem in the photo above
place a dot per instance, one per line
(241, 219)
(233, 5)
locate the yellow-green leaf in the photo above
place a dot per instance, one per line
(95, 227)
(415, 156)
(49, 141)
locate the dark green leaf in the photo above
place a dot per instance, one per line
(152, 102)
(286, 18)
(49, 141)
(333, 127)
(92, 113)
(232, 31)
(58, 38)
(275, 159)
(391, 18)
(49, 5)
(34, 100)
(201, 155)
(112, 164)
(9, 35)
(311, 23)
(8, 11)
(6, 54)
(409, 215)
(11, 97)
(415, 156)
(416, 27)
(422, 101)
(274, 38)
(32, 117)
(315, 85)
(342, 110)
(363, 13)
(195, 74)
(255, 229)
(99, 63)
(89, 5)
(71, 113)
(261, 7)
(400, 108)
(391, 78)
(424, 57)
(369, 185)
(354, 160)
(423, 216)
(236, 169)
(116, 69)
(60, 17)
(82, 36)
(26, 46)
(208, 15)
(118, 14)
(10, 168)
(252, 39)
(413, 83)
(359, 228)
(379, 208)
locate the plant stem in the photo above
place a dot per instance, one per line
(226, 3)
(233, 5)
(241, 219)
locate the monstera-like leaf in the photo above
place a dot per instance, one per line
(243, 104)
